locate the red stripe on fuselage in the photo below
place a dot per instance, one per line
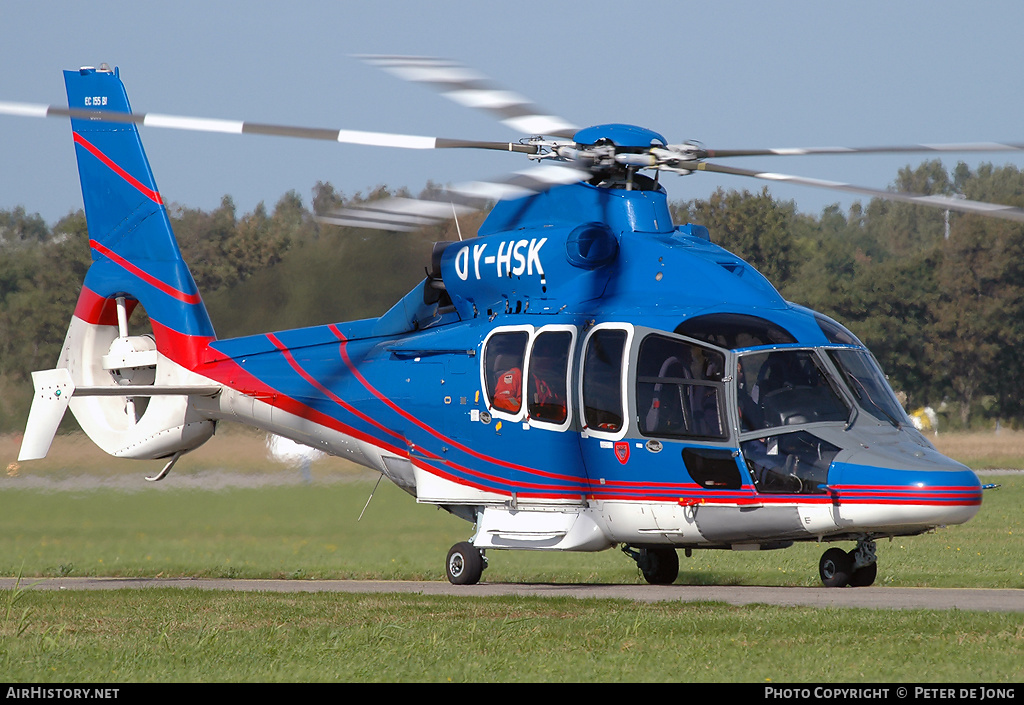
(327, 392)
(145, 276)
(228, 372)
(110, 164)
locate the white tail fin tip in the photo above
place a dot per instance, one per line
(53, 391)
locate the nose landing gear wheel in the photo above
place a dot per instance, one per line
(465, 564)
(863, 577)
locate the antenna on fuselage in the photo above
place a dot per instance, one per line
(455, 215)
(370, 497)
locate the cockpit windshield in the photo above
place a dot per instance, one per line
(867, 384)
(785, 388)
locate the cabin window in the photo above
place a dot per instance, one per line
(679, 389)
(785, 388)
(503, 362)
(548, 377)
(602, 380)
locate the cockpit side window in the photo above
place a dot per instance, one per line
(789, 463)
(503, 364)
(679, 389)
(602, 380)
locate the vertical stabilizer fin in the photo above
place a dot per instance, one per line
(53, 390)
(135, 254)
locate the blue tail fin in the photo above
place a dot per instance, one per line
(131, 393)
(134, 251)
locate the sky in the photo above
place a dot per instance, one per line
(729, 74)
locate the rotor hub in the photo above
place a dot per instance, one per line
(620, 135)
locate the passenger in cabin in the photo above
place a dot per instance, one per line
(508, 386)
(547, 399)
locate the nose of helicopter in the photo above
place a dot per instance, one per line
(903, 488)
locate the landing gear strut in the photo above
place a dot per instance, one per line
(858, 568)
(660, 566)
(465, 564)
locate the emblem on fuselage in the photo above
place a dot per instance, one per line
(622, 451)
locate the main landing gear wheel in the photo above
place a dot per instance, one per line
(660, 566)
(663, 566)
(465, 564)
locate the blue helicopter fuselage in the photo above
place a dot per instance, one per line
(409, 393)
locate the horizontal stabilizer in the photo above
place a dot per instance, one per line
(199, 390)
(53, 392)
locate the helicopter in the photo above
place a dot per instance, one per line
(583, 374)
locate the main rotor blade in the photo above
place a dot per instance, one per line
(474, 90)
(944, 202)
(239, 127)
(404, 214)
(396, 214)
(898, 149)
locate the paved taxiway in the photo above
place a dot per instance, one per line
(967, 599)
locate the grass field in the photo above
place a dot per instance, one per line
(228, 511)
(192, 636)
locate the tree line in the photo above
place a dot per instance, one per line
(938, 297)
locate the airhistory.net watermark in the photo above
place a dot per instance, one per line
(41, 693)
